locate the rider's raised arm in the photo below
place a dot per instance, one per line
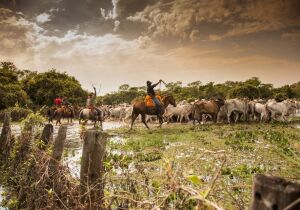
(154, 85)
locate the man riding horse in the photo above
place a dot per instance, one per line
(62, 109)
(91, 101)
(91, 112)
(153, 105)
(151, 93)
(67, 105)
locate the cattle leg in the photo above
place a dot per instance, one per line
(228, 117)
(237, 116)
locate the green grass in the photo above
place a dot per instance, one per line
(272, 149)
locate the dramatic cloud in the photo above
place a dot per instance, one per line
(43, 18)
(188, 19)
(130, 41)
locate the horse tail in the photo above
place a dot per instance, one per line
(80, 115)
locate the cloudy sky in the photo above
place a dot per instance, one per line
(112, 42)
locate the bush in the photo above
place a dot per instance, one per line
(16, 113)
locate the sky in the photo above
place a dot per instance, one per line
(112, 42)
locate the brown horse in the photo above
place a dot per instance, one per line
(63, 112)
(140, 108)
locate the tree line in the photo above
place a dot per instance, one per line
(252, 88)
(31, 89)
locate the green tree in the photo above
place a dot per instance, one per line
(43, 88)
(11, 92)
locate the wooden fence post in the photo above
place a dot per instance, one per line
(47, 134)
(5, 138)
(92, 169)
(58, 147)
(274, 193)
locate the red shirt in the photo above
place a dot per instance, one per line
(58, 101)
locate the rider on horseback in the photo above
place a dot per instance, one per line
(58, 101)
(67, 104)
(91, 100)
(151, 92)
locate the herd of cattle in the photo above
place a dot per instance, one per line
(217, 110)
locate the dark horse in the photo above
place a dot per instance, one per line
(140, 108)
(61, 112)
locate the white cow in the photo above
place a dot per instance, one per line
(258, 110)
(181, 111)
(237, 107)
(283, 108)
(117, 113)
(261, 112)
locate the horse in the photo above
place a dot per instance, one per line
(91, 114)
(63, 112)
(140, 108)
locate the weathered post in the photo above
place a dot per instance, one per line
(5, 138)
(58, 147)
(92, 168)
(47, 134)
(274, 193)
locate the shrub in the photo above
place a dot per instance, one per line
(16, 113)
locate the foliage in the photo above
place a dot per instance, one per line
(126, 94)
(11, 92)
(32, 121)
(43, 88)
(33, 89)
(251, 88)
(16, 113)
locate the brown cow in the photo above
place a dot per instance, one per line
(210, 107)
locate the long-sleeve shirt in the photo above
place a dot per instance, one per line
(150, 89)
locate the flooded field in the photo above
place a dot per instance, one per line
(239, 151)
(73, 145)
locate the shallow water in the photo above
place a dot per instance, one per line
(74, 143)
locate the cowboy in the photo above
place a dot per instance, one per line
(58, 101)
(67, 104)
(90, 103)
(151, 92)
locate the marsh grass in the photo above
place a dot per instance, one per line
(199, 151)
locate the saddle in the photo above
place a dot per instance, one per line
(149, 102)
(151, 106)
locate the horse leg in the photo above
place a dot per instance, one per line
(133, 118)
(144, 120)
(160, 119)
